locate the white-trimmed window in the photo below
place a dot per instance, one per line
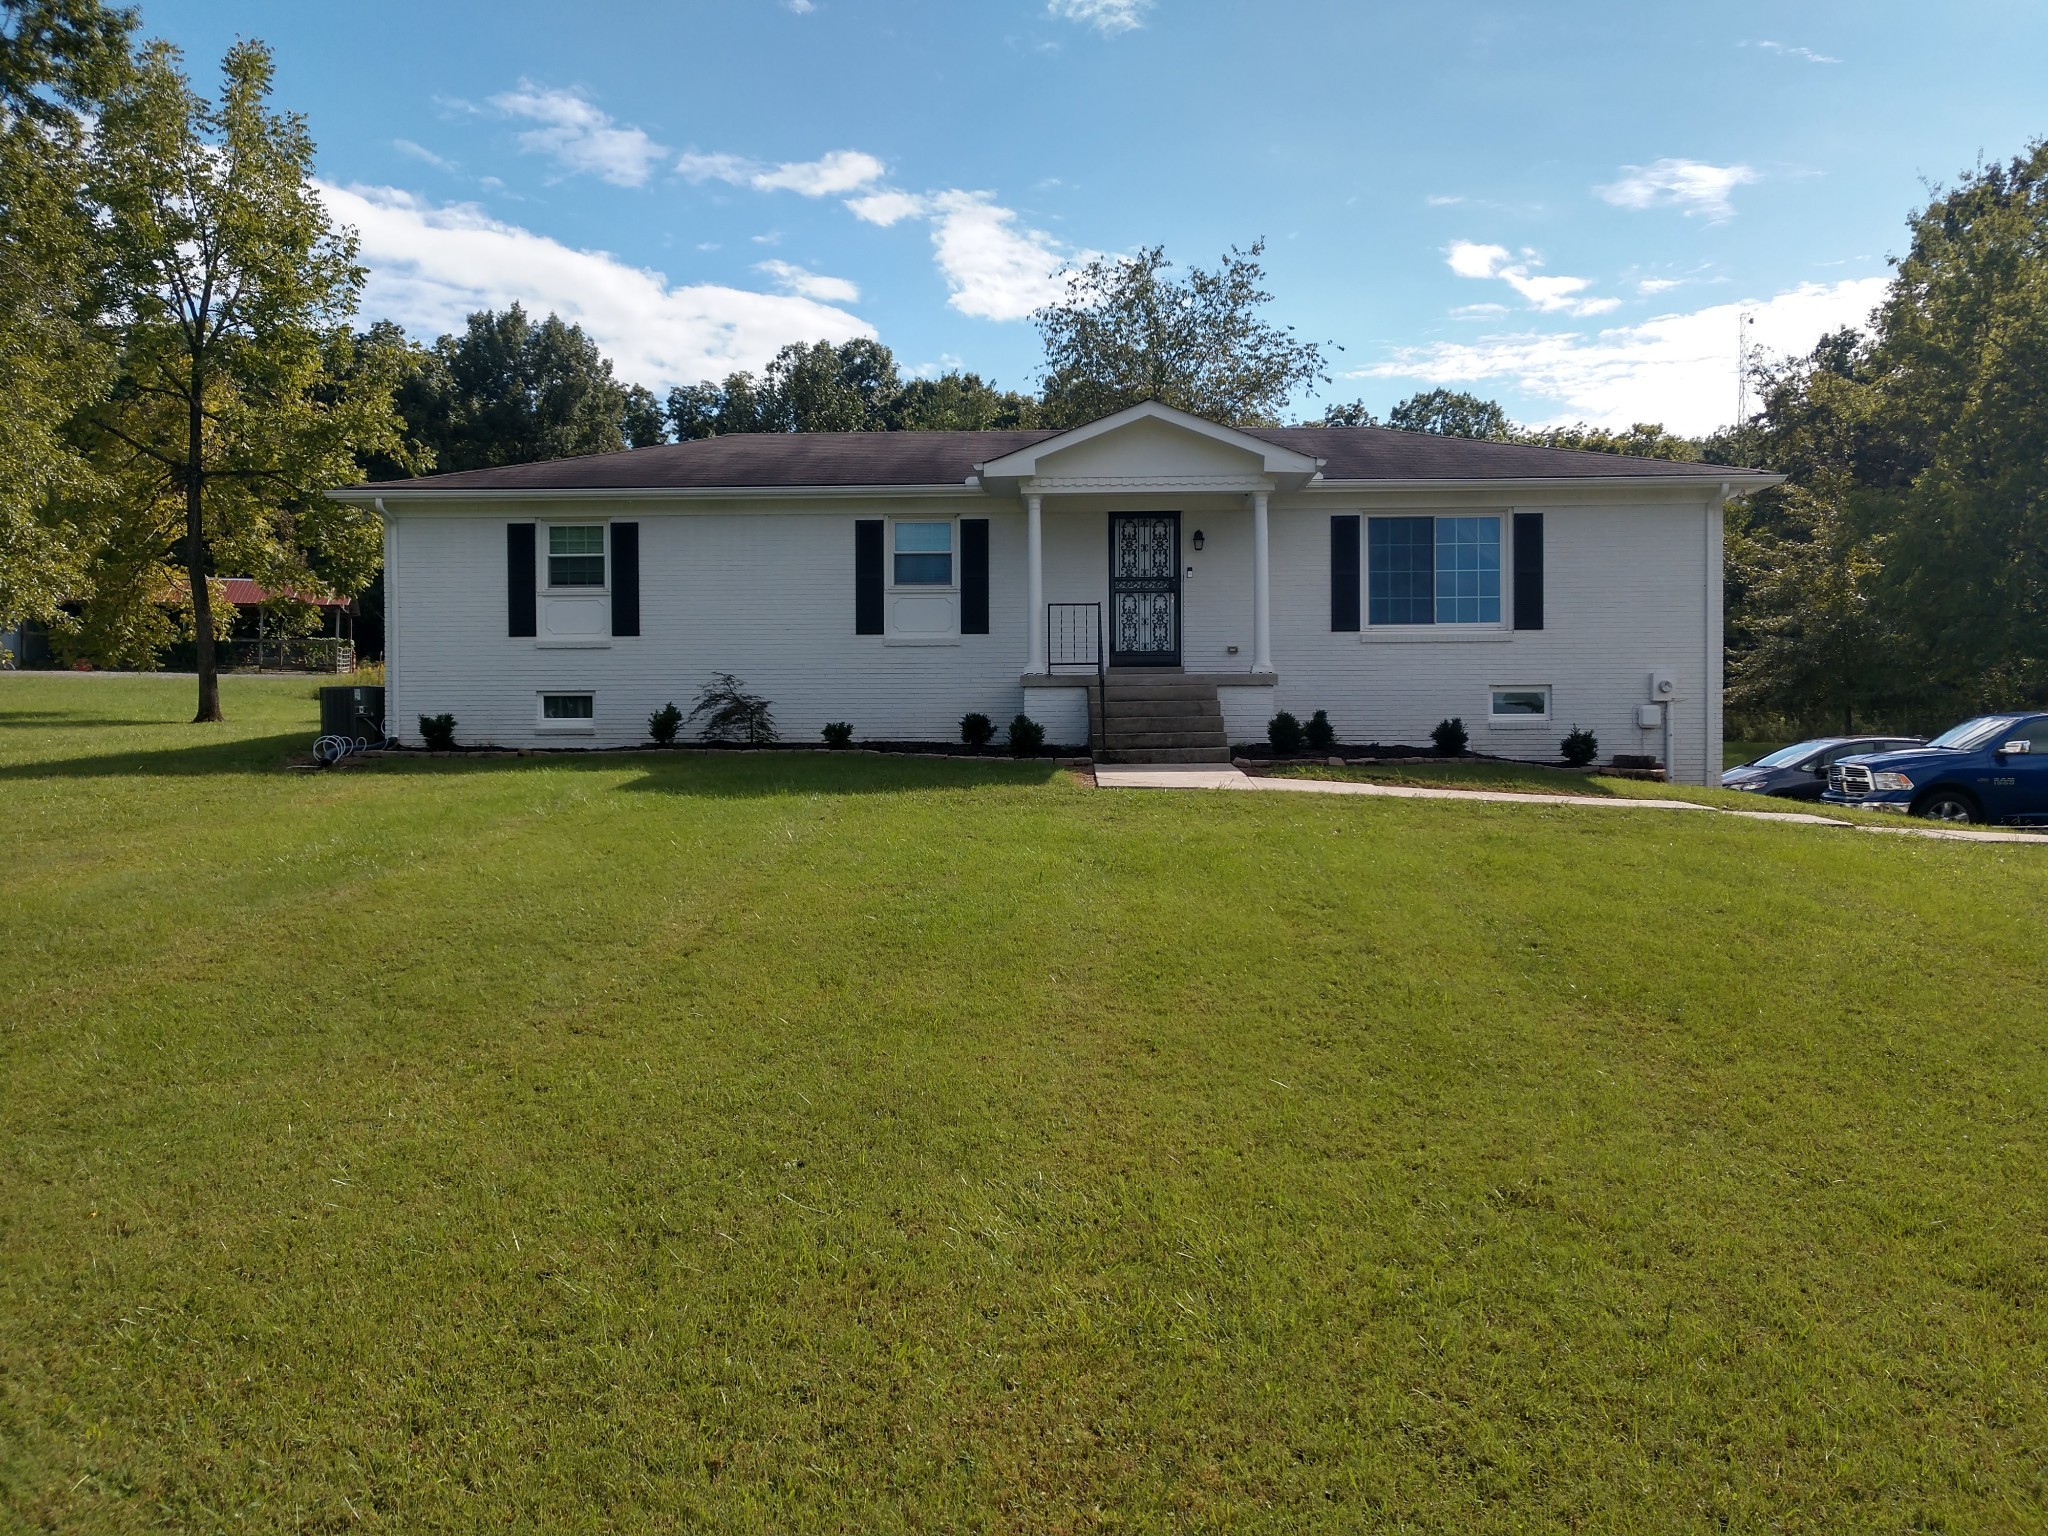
(568, 713)
(921, 554)
(1433, 570)
(575, 556)
(1521, 705)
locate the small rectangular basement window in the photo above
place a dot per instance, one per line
(1511, 704)
(568, 711)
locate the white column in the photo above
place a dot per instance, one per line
(1034, 584)
(1262, 589)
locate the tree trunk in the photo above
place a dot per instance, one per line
(196, 571)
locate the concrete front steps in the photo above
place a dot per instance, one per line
(1161, 716)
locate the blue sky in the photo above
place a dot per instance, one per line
(1562, 205)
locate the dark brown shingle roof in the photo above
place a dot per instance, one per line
(756, 460)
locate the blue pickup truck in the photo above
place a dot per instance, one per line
(1993, 768)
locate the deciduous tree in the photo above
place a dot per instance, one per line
(240, 395)
(1125, 333)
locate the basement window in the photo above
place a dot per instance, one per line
(569, 713)
(1529, 706)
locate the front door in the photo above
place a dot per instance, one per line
(1144, 589)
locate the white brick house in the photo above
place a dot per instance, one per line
(898, 581)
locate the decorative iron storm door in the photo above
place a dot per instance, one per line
(1144, 589)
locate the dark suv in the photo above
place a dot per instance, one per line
(1993, 768)
(1800, 771)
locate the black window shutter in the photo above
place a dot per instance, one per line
(625, 578)
(1528, 570)
(1344, 573)
(522, 607)
(867, 576)
(973, 575)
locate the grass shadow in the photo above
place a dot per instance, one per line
(57, 720)
(244, 754)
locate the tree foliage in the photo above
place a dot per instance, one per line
(1900, 576)
(507, 389)
(1451, 413)
(239, 396)
(851, 387)
(1126, 333)
(60, 61)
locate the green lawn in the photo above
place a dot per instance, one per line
(840, 1143)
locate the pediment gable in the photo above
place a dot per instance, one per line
(1153, 444)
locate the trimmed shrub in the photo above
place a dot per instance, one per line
(838, 735)
(1450, 737)
(663, 724)
(977, 730)
(1579, 747)
(1283, 731)
(734, 714)
(1318, 732)
(1026, 736)
(438, 732)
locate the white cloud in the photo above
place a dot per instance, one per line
(1108, 17)
(801, 7)
(1443, 199)
(996, 269)
(1551, 295)
(421, 152)
(1650, 287)
(843, 170)
(887, 207)
(1677, 369)
(811, 285)
(432, 264)
(579, 136)
(1693, 186)
(1791, 52)
(1470, 259)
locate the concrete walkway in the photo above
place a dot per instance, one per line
(1218, 776)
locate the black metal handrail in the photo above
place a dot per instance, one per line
(1073, 638)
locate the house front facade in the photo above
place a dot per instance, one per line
(899, 581)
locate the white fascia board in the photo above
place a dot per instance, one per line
(370, 495)
(1733, 485)
(1274, 459)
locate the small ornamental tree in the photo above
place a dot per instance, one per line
(663, 724)
(1580, 747)
(733, 714)
(1027, 736)
(1318, 732)
(838, 735)
(1283, 731)
(1450, 737)
(977, 730)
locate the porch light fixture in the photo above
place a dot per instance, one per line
(1198, 538)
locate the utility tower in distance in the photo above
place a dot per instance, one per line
(1745, 322)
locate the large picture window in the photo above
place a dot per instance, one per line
(576, 555)
(924, 554)
(1432, 570)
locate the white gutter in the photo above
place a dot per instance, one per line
(358, 495)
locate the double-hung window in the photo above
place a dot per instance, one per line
(1432, 570)
(924, 554)
(576, 555)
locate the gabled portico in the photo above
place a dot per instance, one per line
(1116, 507)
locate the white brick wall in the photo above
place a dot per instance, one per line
(1624, 595)
(765, 590)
